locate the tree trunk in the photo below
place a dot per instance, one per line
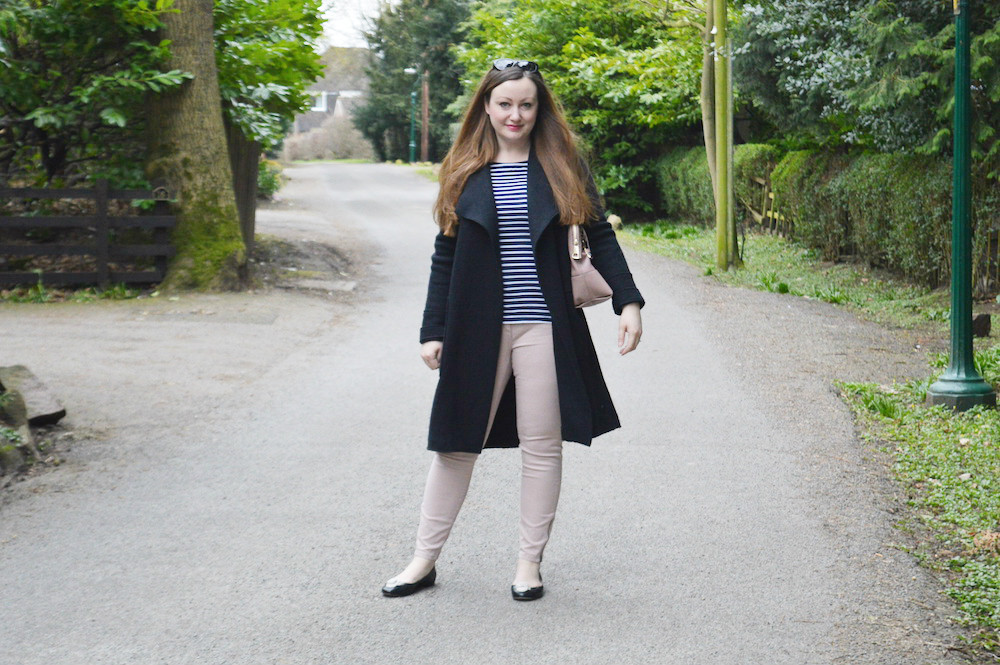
(708, 91)
(187, 149)
(735, 260)
(721, 138)
(244, 159)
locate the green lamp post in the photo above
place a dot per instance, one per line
(413, 115)
(961, 387)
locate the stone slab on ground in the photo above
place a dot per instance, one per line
(43, 406)
(330, 285)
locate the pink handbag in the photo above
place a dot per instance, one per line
(589, 288)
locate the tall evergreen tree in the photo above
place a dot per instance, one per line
(411, 34)
(876, 73)
(909, 88)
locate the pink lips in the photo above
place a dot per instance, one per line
(513, 128)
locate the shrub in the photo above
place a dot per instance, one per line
(900, 211)
(268, 178)
(800, 182)
(685, 186)
(891, 211)
(336, 138)
(752, 160)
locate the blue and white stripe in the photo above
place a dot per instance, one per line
(522, 295)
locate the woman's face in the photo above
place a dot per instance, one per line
(513, 107)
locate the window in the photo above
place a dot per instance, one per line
(319, 102)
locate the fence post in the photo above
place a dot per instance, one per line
(103, 234)
(161, 235)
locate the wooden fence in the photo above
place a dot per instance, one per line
(103, 231)
(986, 264)
(764, 211)
(768, 217)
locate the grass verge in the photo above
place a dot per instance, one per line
(774, 264)
(947, 463)
(39, 293)
(332, 161)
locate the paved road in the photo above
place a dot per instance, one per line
(249, 467)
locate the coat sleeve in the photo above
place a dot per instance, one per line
(436, 307)
(607, 255)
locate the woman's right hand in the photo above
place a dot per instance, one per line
(431, 353)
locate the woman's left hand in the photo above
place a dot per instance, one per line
(629, 328)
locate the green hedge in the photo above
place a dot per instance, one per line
(686, 186)
(892, 211)
(801, 191)
(900, 211)
(752, 160)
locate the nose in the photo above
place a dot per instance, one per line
(515, 114)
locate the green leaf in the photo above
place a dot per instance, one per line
(113, 116)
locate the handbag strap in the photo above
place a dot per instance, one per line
(578, 245)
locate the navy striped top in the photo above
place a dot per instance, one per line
(522, 295)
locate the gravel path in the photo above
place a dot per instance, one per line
(253, 464)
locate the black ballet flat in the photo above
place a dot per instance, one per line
(527, 593)
(399, 590)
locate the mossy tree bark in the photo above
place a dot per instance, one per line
(187, 149)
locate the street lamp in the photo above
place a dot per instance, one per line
(961, 387)
(413, 114)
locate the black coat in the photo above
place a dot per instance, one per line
(465, 311)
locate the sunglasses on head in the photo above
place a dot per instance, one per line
(504, 63)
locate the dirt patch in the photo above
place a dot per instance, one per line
(302, 265)
(52, 443)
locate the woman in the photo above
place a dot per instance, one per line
(517, 365)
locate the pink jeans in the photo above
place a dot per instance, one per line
(526, 354)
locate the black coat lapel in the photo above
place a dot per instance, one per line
(542, 208)
(476, 201)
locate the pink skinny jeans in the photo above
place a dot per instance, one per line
(526, 354)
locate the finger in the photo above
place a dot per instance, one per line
(633, 342)
(621, 335)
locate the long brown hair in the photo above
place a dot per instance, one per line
(552, 140)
